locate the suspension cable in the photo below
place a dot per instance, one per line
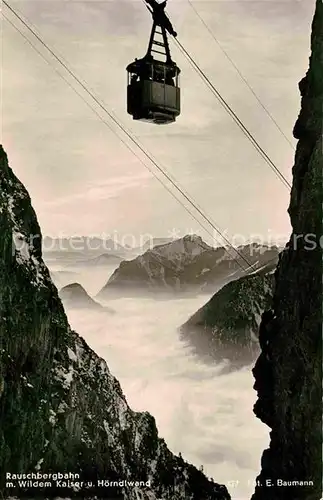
(114, 119)
(154, 254)
(239, 73)
(233, 115)
(228, 108)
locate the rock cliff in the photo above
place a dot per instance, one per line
(288, 373)
(227, 325)
(61, 410)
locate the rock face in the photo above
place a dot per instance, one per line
(186, 265)
(154, 242)
(227, 325)
(61, 409)
(75, 296)
(288, 373)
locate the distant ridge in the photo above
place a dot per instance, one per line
(186, 265)
(75, 296)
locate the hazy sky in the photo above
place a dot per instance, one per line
(81, 177)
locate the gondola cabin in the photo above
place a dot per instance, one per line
(153, 93)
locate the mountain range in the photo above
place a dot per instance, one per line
(187, 265)
(81, 244)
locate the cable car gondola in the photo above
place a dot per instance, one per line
(153, 93)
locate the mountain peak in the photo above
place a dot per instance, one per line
(190, 244)
(75, 288)
(192, 237)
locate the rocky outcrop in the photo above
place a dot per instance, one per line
(187, 265)
(288, 373)
(62, 278)
(61, 409)
(227, 325)
(75, 296)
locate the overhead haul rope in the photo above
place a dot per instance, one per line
(120, 126)
(114, 119)
(218, 231)
(154, 254)
(240, 124)
(240, 74)
(228, 108)
(103, 121)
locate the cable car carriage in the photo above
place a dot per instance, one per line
(153, 93)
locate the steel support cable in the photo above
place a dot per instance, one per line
(130, 149)
(240, 74)
(228, 108)
(106, 123)
(114, 119)
(154, 254)
(233, 115)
